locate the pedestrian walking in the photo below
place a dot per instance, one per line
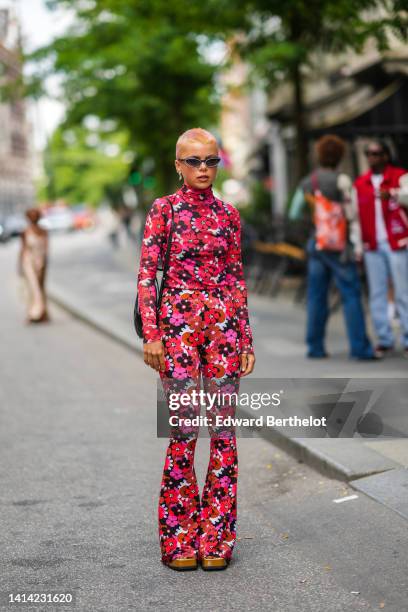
(112, 223)
(202, 328)
(33, 259)
(381, 199)
(126, 216)
(330, 250)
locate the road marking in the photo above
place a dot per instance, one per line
(342, 499)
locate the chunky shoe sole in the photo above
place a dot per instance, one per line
(183, 565)
(382, 351)
(214, 563)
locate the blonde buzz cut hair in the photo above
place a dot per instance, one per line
(195, 135)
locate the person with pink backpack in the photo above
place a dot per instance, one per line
(330, 251)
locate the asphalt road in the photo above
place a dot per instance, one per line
(80, 468)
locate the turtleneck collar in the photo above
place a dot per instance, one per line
(196, 196)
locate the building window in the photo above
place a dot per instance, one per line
(17, 109)
(18, 144)
(4, 23)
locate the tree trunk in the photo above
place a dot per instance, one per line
(301, 152)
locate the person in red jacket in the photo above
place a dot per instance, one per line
(202, 327)
(380, 196)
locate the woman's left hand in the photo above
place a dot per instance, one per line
(247, 362)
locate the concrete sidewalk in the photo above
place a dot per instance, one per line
(98, 285)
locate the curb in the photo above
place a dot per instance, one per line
(346, 459)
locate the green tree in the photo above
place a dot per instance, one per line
(281, 40)
(287, 38)
(143, 62)
(127, 61)
(86, 165)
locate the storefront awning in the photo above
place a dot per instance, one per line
(370, 96)
(357, 104)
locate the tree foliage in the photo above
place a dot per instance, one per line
(127, 61)
(145, 63)
(285, 38)
(86, 165)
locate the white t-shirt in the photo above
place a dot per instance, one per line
(380, 229)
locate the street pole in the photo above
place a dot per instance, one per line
(278, 171)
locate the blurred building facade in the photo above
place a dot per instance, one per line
(16, 182)
(243, 124)
(356, 96)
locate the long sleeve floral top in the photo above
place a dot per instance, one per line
(205, 252)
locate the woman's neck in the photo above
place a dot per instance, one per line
(195, 194)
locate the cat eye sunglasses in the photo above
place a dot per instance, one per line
(195, 162)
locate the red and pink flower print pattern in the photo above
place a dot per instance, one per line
(188, 526)
(205, 253)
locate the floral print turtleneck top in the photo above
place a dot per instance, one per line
(205, 253)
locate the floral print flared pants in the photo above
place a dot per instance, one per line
(200, 333)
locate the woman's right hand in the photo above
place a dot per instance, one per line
(154, 355)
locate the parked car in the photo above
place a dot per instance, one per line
(11, 226)
(57, 219)
(84, 217)
(3, 231)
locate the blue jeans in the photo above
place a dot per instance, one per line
(382, 266)
(322, 268)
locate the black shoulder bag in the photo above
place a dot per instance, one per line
(137, 317)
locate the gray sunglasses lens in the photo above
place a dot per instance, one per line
(194, 162)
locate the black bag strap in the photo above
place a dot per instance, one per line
(314, 181)
(166, 257)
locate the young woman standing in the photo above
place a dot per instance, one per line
(33, 259)
(202, 328)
